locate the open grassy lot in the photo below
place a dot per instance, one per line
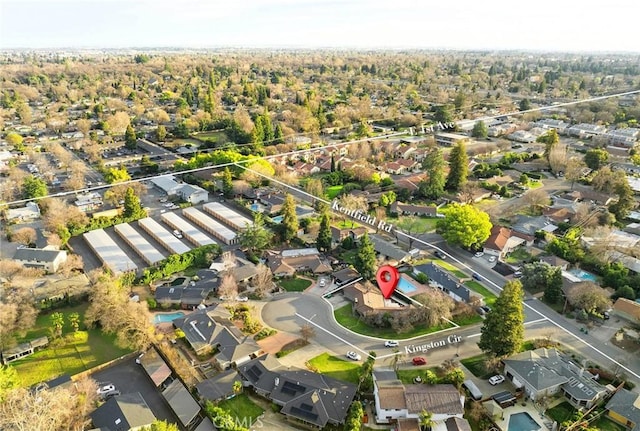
(333, 191)
(295, 284)
(417, 224)
(345, 317)
(218, 137)
(338, 368)
(241, 407)
(489, 298)
(73, 353)
(475, 365)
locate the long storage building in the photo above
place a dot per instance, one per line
(163, 236)
(138, 243)
(227, 216)
(109, 252)
(196, 237)
(212, 226)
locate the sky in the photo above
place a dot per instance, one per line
(539, 25)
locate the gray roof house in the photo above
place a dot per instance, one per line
(624, 408)
(545, 372)
(123, 413)
(308, 397)
(218, 387)
(181, 402)
(446, 282)
(42, 258)
(389, 250)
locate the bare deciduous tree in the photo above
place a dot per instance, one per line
(25, 236)
(228, 287)
(558, 158)
(589, 296)
(536, 199)
(263, 280)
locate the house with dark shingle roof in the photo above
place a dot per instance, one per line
(388, 250)
(219, 387)
(545, 372)
(311, 398)
(284, 264)
(624, 408)
(123, 413)
(46, 258)
(415, 210)
(443, 280)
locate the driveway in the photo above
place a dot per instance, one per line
(130, 377)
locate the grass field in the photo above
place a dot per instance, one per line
(475, 364)
(489, 298)
(295, 284)
(74, 353)
(413, 223)
(338, 368)
(217, 137)
(345, 317)
(241, 407)
(452, 269)
(333, 191)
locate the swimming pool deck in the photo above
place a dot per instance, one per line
(525, 406)
(419, 288)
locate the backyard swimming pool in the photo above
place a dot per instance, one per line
(164, 318)
(405, 285)
(583, 275)
(277, 219)
(523, 422)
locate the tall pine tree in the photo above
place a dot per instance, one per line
(324, 233)
(227, 182)
(289, 218)
(365, 259)
(503, 331)
(433, 165)
(458, 168)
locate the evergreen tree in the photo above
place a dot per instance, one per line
(267, 128)
(458, 168)
(289, 218)
(333, 163)
(480, 130)
(161, 133)
(433, 165)
(130, 138)
(227, 183)
(255, 238)
(133, 209)
(553, 290)
(365, 259)
(502, 333)
(33, 187)
(278, 137)
(324, 233)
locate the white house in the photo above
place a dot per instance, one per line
(31, 211)
(192, 193)
(46, 258)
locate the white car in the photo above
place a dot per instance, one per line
(353, 356)
(496, 380)
(391, 343)
(479, 254)
(242, 298)
(492, 259)
(322, 282)
(177, 234)
(105, 389)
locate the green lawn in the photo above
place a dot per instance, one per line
(467, 320)
(217, 137)
(345, 317)
(241, 407)
(407, 376)
(518, 255)
(489, 297)
(452, 269)
(333, 191)
(349, 256)
(347, 224)
(338, 368)
(74, 353)
(475, 365)
(295, 284)
(414, 224)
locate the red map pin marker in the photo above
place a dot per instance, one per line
(387, 277)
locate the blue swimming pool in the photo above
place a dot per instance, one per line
(405, 285)
(277, 219)
(583, 275)
(168, 317)
(254, 207)
(523, 422)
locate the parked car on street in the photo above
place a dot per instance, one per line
(391, 343)
(353, 356)
(419, 360)
(478, 254)
(106, 388)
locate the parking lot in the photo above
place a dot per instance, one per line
(129, 377)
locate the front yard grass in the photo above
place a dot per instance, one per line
(333, 191)
(418, 224)
(346, 318)
(452, 269)
(295, 284)
(335, 367)
(489, 297)
(407, 376)
(475, 365)
(241, 407)
(518, 255)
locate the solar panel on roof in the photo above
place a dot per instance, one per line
(304, 413)
(294, 387)
(307, 407)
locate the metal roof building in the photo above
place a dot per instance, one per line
(228, 216)
(187, 229)
(109, 252)
(212, 226)
(163, 236)
(138, 243)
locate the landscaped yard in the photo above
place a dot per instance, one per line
(74, 353)
(475, 365)
(407, 376)
(517, 256)
(295, 284)
(216, 137)
(414, 224)
(338, 368)
(333, 191)
(564, 411)
(242, 408)
(489, 298)
(346, 318)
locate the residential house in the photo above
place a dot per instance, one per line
(409, 164)
(555, 261)
(501, 129)
(545, 372)
(49, 258)
(346, 275)
(31, 211)
(219, 387)
(182, 403)
(389, 251)
(88, 202)
(627, 309)
(338, 235)
(420, 154)
(522, 136)
(310, 398)
(395, 401)
(210, 328)
(414, 210)
(369, 298)
(394, 168)
(623, 137)
(288, 262)
(123, 412)
(584, 130)
(624, 408)
(550, 123)
(449, 139)
(457, 424)
(155, 367)
(503, 241)
(410, 182)
(272, 202)
(23, 349)
(562, 214)
(443, 280)
(526, 226)
(193, 194)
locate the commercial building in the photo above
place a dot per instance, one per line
(138, 243)
(212, 226)
(163, 236)
(187, 230)
(227, 216)
(109, 252)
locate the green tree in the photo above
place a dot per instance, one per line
(74, 321)
(159, 425)
(9, 380)
(289, 218)
(426, 420)
(626, 201)
(278, 137)
(550, 139)
(237, 387)
(255, 238)
(33, 187)
(464, 225)
(502, 333)
(57, 323)
(433, 165)
(116, 175)
(130, 137)
(324, 233)
(161, 133)
(133, 209)
(353, 422)
(480, 130)
(595, 157)
(524, 105)
(443, 114)
(365, 259)
(553, 289)
(15, 140)
(227, 182)
(538, 276)
(458, 167)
